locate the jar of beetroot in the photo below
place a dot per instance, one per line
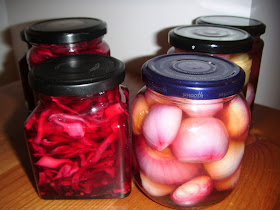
(230, 43)
(189, 125)
(78, 135)
(256, 28)
(58, 37)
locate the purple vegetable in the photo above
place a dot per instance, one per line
(80, 148)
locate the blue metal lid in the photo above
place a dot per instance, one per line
(193, 76)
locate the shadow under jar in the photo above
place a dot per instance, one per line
(78, 135)
(226, 42)
(189, 126)
(254, 27)
(63, 36)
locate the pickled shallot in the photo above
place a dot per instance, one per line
(200, 140)
(161, 166)
(154, 188)
(193, 191)
(161, 124)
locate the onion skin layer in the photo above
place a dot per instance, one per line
(193, 191)
(154, 188)
(200, 140)
(202, 108)
(225, 167)
(236, 117)
(228, 183)
(139, 109)
(161, 125)
(161, 166)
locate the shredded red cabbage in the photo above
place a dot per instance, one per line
(80, 146)
(41, 52)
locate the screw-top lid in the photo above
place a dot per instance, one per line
(193, 76)
(211, 39)
(77, 75)
(252, 26)
(65, 30)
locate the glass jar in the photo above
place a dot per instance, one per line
(23, 72)
(78, 135)
(256, 28)
(189, 126)
(230, 43)
(58, 37)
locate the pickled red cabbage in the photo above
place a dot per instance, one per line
(41, 52)
(80, 146)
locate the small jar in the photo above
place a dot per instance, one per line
(58, 37)
(230, 43)
(78, 135)
(189, 125)
(254, 27)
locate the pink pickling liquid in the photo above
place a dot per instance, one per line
(80, 146)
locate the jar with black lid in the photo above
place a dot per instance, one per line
(63, 36)
(230, 43)
(23, 72)
(254, 27)
(190, 123)
(78, 135)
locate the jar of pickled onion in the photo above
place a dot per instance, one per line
(254, 27)
(58, 37)
(78, 135)
(189, 125)
(230, 43)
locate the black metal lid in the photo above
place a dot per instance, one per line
(252, 26)
(211, 39)
(65, 30)
(77, 75)
(193, 76)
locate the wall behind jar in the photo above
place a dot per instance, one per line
(137, 30)
(269, 85)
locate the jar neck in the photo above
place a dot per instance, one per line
(75, 103)
(178, 100)
(78, 45)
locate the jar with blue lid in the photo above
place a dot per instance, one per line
(189, 127)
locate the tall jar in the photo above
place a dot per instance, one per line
(78, 135)
(230, 43)
(256, 28)
(58, 37)
(189, 125)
